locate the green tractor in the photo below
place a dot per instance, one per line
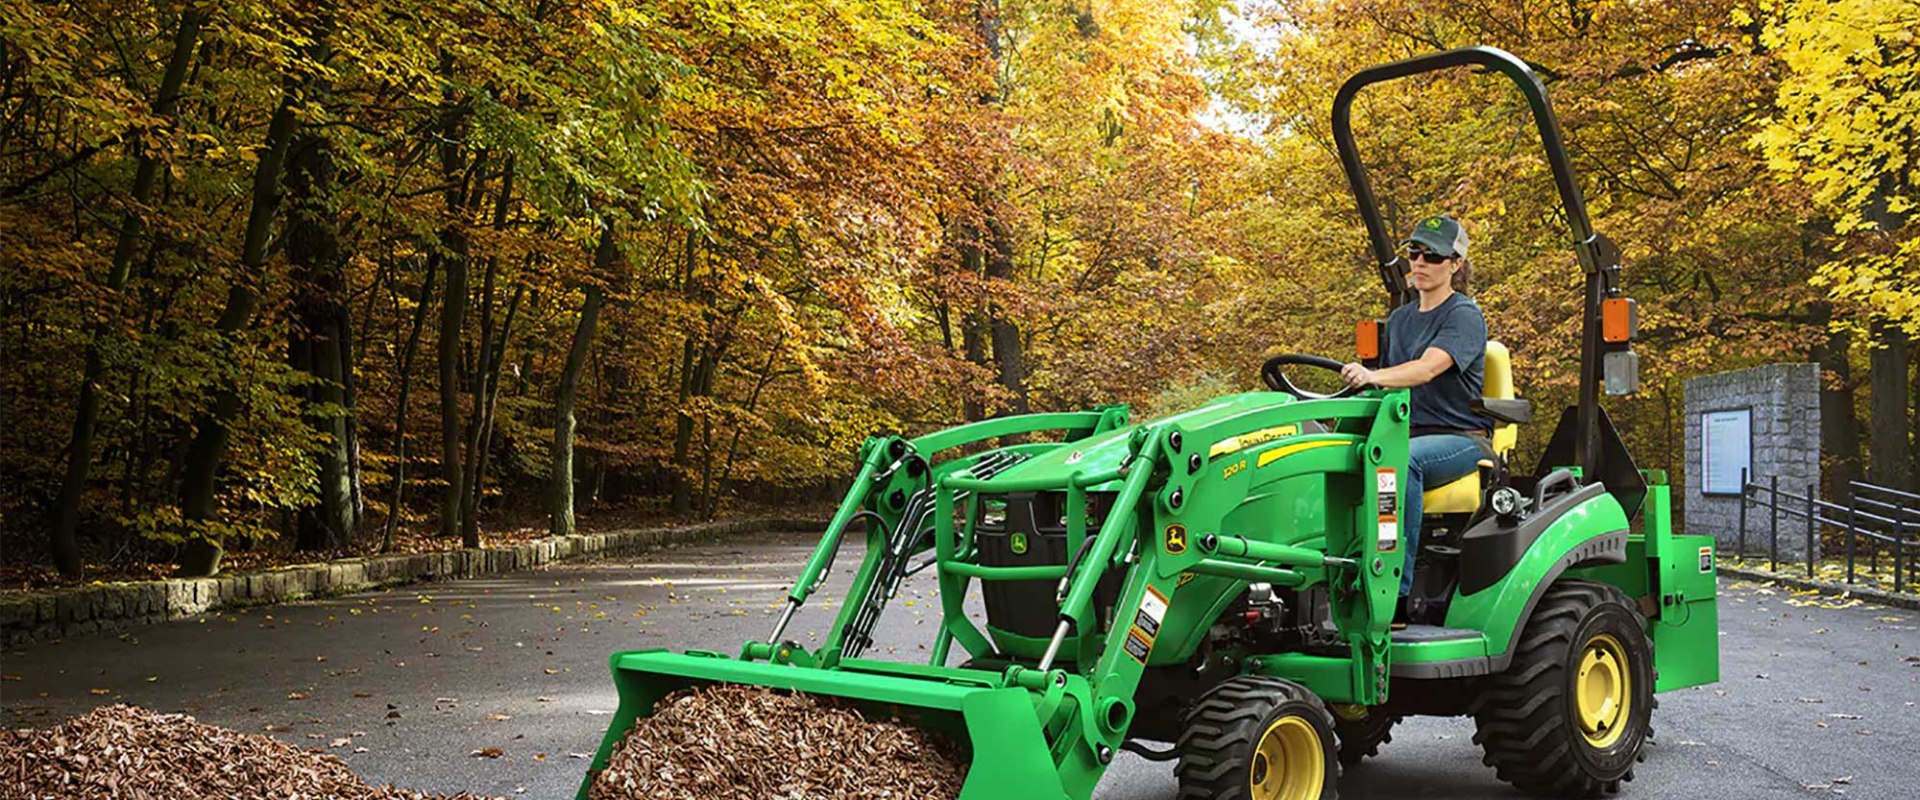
(1218, 587)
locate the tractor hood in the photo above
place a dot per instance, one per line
(1104, 451)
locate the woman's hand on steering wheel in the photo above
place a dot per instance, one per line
(1357, 375)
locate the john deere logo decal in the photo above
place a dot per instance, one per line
(1019, 543)
(1176, 539)
(1433, 222)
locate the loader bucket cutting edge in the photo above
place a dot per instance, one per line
(997, 725)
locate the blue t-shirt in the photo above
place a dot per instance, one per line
(1457, 327)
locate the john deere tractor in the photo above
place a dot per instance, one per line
(1218, 587)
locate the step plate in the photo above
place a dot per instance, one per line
(1420, 634)
(1431, 651)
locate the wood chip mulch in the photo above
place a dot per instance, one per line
(128, 753)
(748, 743)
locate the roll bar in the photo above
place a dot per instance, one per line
(1599, 258)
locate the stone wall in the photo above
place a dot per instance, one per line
(1785, 401)
(29, 616)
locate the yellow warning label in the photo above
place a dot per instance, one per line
(1146, 624)
(1386, 495)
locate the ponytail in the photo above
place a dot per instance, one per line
(1463, 277)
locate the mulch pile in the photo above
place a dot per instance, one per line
(746, 743)
(128, 753)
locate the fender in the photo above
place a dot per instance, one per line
(1585, 528)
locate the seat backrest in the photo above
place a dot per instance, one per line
(1499, 386)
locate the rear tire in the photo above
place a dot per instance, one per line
(1569, 716)
(1360, 738)
(1254, 737)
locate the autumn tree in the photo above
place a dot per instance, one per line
(1846, 125)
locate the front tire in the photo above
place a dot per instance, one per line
(1254, 737)
(1569, 716)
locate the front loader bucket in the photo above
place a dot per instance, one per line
(997, 724)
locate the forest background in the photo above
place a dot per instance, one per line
(283, 274)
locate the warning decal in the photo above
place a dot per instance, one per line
(1146, 624)
(1386, 485)
(1706, 559)
(1386, 481)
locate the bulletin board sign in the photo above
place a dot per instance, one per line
(1726, 450)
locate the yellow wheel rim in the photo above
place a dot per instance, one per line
(1603, 691)
(1288, 763)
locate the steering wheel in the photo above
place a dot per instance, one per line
(1276, 379)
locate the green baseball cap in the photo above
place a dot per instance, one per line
(1441, 235)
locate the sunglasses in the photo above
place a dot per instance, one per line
(1427, 256)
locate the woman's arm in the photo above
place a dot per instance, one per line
(1400, 376)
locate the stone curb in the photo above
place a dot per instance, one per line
(1867, 593)
(33, 616)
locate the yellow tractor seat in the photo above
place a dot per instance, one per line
(1463, 496)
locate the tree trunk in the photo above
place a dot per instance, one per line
(469, 526)
(200, 466)
(319, 343)
(453, 309)
(561, 511)
(1839, 425)
(1913, 420)
(452, 317)
(486, 374)
(973, 338)
(682, 494)
(61, 538)
(486, 403)
(765, 377)
(350, 399)
(1007, 353)
(1888, 429)
(400, 411)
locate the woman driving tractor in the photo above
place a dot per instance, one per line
(1436, 347)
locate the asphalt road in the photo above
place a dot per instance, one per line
(1813, 700)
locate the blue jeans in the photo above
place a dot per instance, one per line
(1432, 460)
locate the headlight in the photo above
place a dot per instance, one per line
(1505, 501)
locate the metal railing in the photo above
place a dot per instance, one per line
(1875, 519)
